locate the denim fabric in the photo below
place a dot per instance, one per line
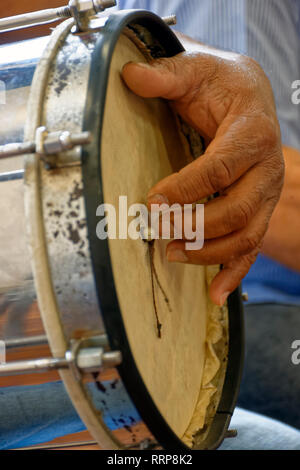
(256, 432)
(40, 413)
(33, 415)
(271, 383)
(270, 282)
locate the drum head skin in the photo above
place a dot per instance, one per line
(138, 144)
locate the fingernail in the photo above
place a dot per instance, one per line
(177, 256)
(157, 199)
(223, 298)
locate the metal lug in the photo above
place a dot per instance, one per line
(84, 356)
(101, 5)
(170, 20)
(231, 433)
(75, 8)
(46, 144)
(94, 359)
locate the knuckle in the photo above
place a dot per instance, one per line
(188, 188)
(249, 243)
(266, 133)
(266, 141)
(270, 131)
(249, 259)
(252, 64)
(253, 69)
(274, 172)
(241, 215)
(281, 167)
(218, 175)
(169, 64)
(250, 75)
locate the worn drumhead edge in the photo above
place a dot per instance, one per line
(198, 401)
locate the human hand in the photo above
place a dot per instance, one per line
(228, 99)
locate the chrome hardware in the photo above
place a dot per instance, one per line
(231, 433)
(35, 18)
(56, 142)
(12, 176)
(24, 342)
(29, 366)
(46, 144)
(170, 20)
(93, 359)
(80, 359)
(12, 150)
(100, 341)
(87, 355)
(74, 8)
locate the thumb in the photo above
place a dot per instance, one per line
(163, 78)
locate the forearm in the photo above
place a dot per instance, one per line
(282, 241)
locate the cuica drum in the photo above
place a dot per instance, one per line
(111, 314)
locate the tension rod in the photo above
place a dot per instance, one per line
(50, 15)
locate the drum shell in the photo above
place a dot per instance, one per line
(18, 63)
(63, 109)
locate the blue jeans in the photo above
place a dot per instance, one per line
(33, 415)
(257, 432)
(271, 383)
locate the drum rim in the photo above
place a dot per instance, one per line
(100, 254)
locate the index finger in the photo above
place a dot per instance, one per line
(230, 155)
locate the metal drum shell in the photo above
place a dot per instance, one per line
(18, 63)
